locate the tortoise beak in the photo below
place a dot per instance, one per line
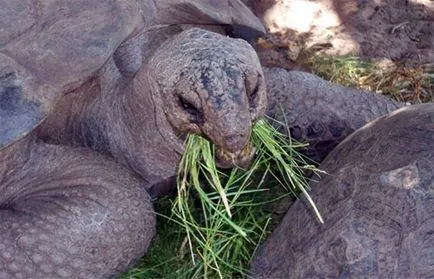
(241, 159)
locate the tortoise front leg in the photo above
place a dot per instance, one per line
(68, 213)
(319, 112)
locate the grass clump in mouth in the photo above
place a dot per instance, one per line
(218, 210)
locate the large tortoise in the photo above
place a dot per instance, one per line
(93, 97)
(125, 80)
(376, 198)
(93, 60)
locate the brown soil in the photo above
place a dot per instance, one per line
(396, 30)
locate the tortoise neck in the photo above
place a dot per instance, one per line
(13, 156)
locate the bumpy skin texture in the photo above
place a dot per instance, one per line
(68, 213)
(377, 204)
(319, 112)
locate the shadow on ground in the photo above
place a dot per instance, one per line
(397, 30)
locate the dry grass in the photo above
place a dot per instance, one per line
(404, 84)
(403, 81)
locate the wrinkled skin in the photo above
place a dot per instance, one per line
(377, 203)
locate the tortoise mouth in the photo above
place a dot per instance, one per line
(241, 159)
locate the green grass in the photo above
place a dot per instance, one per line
(219, 218)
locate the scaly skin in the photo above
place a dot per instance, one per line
(68, 213)
(319, 112)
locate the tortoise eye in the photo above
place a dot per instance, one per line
(192, 110)
(253, 95)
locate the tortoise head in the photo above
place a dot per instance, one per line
(213, 86)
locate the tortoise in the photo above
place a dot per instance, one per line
(95, 97)
(67, 56)
(376, 197)
(95, 100)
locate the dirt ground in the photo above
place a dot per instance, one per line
(396, 30)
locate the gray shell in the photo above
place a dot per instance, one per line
(377, 201)
(50, 48)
